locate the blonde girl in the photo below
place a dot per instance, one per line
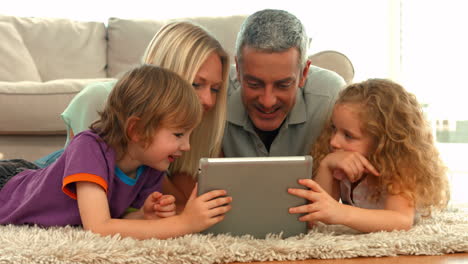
(145, 125)
(377, 154)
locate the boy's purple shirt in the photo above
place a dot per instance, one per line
(36, 196)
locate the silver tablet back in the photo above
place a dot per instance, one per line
(258, 187)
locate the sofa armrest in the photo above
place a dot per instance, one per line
(334, 61)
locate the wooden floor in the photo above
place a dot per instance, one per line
(458, 258)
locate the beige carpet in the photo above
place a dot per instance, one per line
(444, 233)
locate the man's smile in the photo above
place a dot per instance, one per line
(267, 113)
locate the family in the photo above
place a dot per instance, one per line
(133, 145)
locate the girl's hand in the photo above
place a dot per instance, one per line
(348, 164)
(322, 207)
(205, 210)
(158, 205)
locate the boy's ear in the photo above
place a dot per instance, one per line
(132, 129)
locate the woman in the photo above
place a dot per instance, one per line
(194, 54)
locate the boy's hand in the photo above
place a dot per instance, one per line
(322, 207)
(205, 210)
(158, 205)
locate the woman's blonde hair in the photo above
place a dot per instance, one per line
(156, 96)
(183, 47)
(404, 151)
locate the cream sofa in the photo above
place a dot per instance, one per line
(44, 62)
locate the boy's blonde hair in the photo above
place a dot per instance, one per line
(157, 96)
(404, 151)
(183, 47)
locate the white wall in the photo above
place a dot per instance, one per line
(357, 28)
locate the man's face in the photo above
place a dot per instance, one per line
(269, 83)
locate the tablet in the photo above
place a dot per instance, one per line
(258, 187)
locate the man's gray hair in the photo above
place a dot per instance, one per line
(272, 30)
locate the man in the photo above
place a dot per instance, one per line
(277, 101)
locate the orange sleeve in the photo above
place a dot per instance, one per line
(80, 177)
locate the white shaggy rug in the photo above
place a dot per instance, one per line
(443, 233)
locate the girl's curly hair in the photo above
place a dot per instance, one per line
(404, 151)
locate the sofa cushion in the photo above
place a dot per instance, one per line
(224, 28)
(63, 48)
(127, 41)
(128, 38)
(16, 64)
(35, 107)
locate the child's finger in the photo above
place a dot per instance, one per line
(165, 214)
(216, 219)
(212, 194)
(166, 200)
(220, 210)
(354, 168)
(311, 184)
(306, 194)
(312, 217)
(368, 167)
(166, 208)
(220, 201)
(306, 208)
(156, 195)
